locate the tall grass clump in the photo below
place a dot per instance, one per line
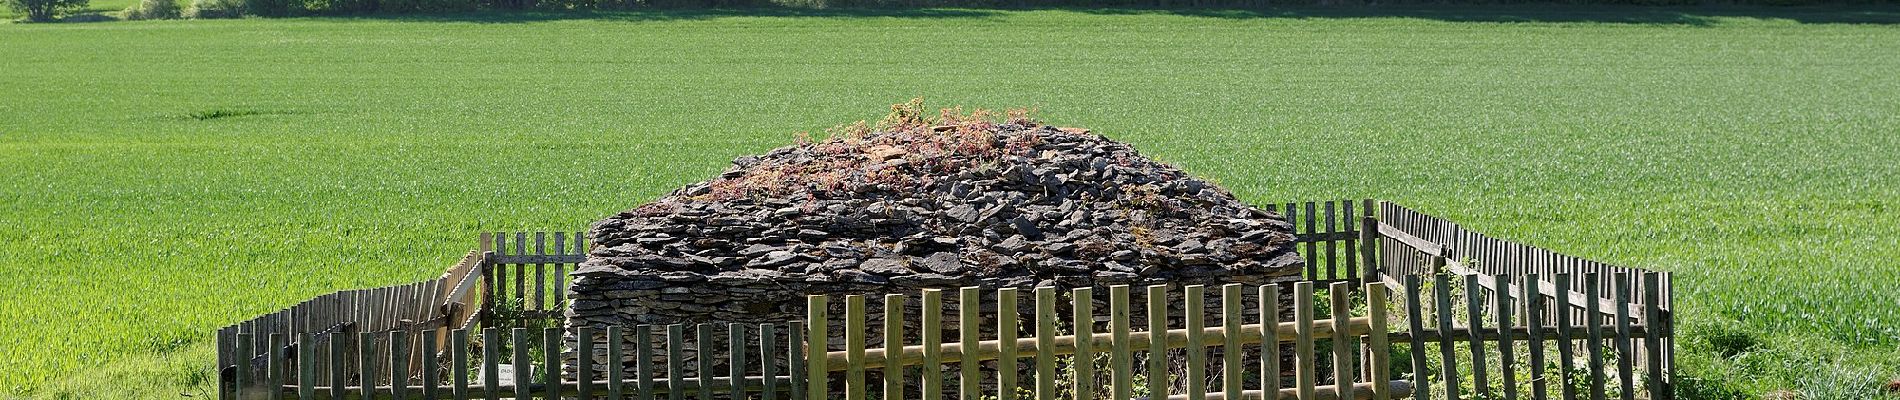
(154, 9)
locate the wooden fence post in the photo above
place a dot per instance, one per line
(816, 348)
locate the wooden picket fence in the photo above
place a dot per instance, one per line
(473, 370)
(1518, 303)
(421, 309)
(1492, 310)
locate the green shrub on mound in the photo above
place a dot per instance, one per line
(215, 9)
(153, 9)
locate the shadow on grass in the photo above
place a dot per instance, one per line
(1688, 16)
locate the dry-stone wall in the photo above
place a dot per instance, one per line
(911, 206)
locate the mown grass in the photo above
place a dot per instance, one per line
(160, 179)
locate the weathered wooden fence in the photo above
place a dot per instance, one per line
(527, 277)
(1494, 310)
(367, 319)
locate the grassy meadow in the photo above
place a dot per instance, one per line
(160, 179)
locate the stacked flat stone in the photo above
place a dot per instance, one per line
(991, 205)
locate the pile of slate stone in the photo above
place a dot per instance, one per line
(974, 204)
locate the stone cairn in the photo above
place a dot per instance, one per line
(914, 203)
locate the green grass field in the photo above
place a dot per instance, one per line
(1753, 152)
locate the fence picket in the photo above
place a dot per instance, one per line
(643, 359)
(1474, 310)
(584, 360)
(795, 351)
(1339, 293)
(522, 364)
(968, 372)
(1232, 327)
(1624, 361)
(1534, 319)
(1083, 304)
(893, 347)
(1565, 343)
(1380, 371)
(458, 361)
(1415, 316)
(1157, 341)
(1592, 288)
(854, 347)
(1121, 361)
(1194, 315)
(816, 342)
(274, 367)
(1507, 351)
(307, 366)
(1305, 374)
(616, 364)
(1006, 331)
(1270, 373)
(491, 361)
(1045, 343)
(241, 370)
(702, 351)
(1442, 286)
(735, 359)
(768, 361)
(398, 365)
(931, 323)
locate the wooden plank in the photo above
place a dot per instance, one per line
(274, 367)
(1341, 309)
(932, 337)
(1534, 321)
(1421, 244)
(1332, 247)
(795, 351)
(540, 274)
(522, 364)
(768, 361)
(1234, 329)
(1006, 331)
(643, 358)
(1593, 288)
(1625, 355)
(339, 352)
(1350, 246)
(1175, 339)
(307, 366)
(1368, 249)
(1312, 249)
(367, 367)
(1194, 315)
(430, 368)
(458, 364)
(524, 259)
(243, 385)
(521, 277)
(616, 362)
(1507, 352)
(816, 342)
(1045, 344)
(854, 347)
(969, 373)
(676, 361)
(1446, 348)
(1082, 303)
(584, 361)
(1474, 298)
(1415, 316)
(893, 338)
(491, 362)
(1566, 383)
(1157, 344)
(702, 350)
(1652, 341)
(1305, 374)
(560, 270)
(735, 360)
(1270, 373)
(1121, 359)
(399, 365)
(1380, 372)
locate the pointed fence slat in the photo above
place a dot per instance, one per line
(1157, 344)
